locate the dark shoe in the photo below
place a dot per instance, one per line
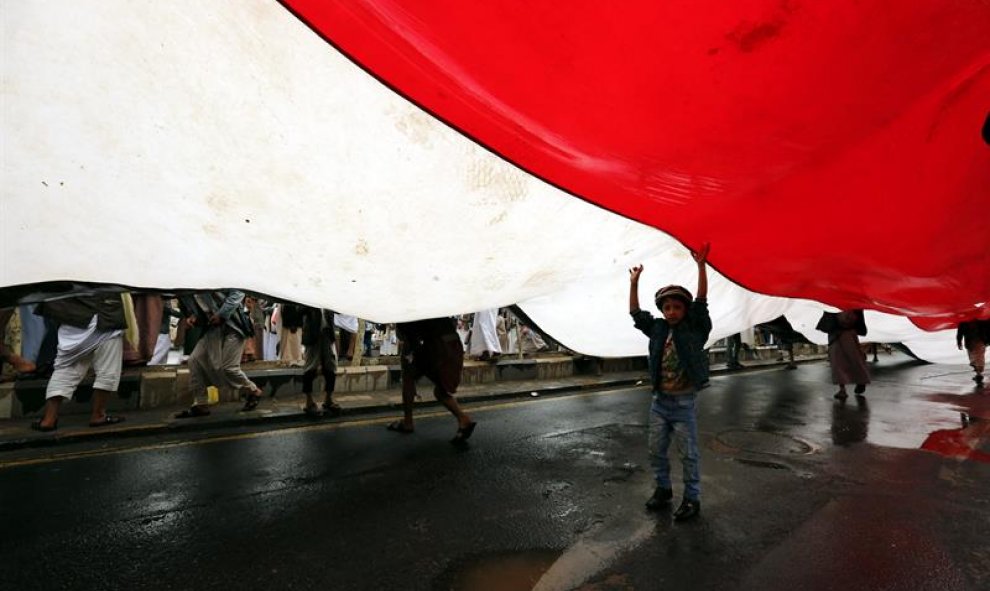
(464, 434)
(790, 366)
(37, 426)
(689, 509)
(979, 380)
(660, 500)
(400, 427)
(196, 410)
(860, 388)
(333, 409)
(840, 395)
(313, 412)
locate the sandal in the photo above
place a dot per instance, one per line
(107, 420)
(400, 427)
(464, 433)
(37, 426)
(252, 401)
(193, 411)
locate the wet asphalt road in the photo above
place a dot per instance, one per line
(798, 492)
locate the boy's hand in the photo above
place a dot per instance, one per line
(701, 256)
(634, 273)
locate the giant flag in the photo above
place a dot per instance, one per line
(397, 160)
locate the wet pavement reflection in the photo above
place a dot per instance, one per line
(800, 492)
(850, 422)
(908, 404)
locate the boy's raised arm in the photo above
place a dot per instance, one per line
(701, 257)
(634, 274)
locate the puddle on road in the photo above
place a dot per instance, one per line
(763, 442)
(517, 571)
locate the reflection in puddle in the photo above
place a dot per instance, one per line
(500, 572)
(963, 443)
(850, 423)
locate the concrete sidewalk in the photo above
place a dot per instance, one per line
(287, 410)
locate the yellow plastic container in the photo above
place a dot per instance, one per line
(212, 395)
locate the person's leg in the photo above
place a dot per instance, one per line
(192, 337)
(351, 343)
(977, 354)
(328, 363)
(98, 416)
(311, 360)
(733, 346)
(659, 444)
(344, 346)
(49, 416)
(685, 426)
(199, 377)
(33, 331)
(408, 396)
(232, 345)
(163, 344)
(48, 350)
(61, 385)
(450, 403)
(107, 362)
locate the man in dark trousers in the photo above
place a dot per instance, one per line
(432, 348)
(320, 344)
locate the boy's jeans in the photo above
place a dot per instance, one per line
(675, 415)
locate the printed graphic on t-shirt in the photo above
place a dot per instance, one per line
(673, 378)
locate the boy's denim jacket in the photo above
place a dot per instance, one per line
(689, 340)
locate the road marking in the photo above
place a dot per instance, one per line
(288, 431)
(592, 554)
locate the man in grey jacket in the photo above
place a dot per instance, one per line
(216, 360)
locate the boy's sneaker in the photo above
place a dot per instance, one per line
(660, 500)
(689, 509)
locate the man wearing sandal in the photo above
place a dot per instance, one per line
(90, 334)
(320, 344)
(216, 360)
(432, 348)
